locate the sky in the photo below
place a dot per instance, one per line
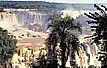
(70, 1)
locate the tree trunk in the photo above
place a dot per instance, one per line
(63, 48)
(54, 59)
(63, 58)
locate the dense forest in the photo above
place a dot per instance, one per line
(31, 5)
(42, 5)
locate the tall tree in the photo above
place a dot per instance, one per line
(100, 35)
(62, 35)
(7, 46)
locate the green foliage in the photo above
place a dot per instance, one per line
(7, 45)
(42, 62)
(46, 6)
(100, 35)
(61, 32)
(1, 9)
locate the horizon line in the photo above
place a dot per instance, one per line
(64, 2)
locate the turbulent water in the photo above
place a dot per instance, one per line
(87, 55)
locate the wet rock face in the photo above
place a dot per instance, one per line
(33, 20)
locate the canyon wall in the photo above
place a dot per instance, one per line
(25, 19)
(31, 19)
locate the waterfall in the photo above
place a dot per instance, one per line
(24, 17)
(87, 54)
(77, 59)
(12, 21)
(82, 58)
(9, 21)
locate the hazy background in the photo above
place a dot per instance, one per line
(70, 1)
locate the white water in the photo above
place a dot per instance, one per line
(84, 60)
(11, 21)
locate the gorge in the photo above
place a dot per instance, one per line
(29, 27)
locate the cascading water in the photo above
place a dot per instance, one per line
(24, 19)
(8, 22)
(82, 58)
(86, 55)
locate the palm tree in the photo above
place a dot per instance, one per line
(100, 35)
(61, 33)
